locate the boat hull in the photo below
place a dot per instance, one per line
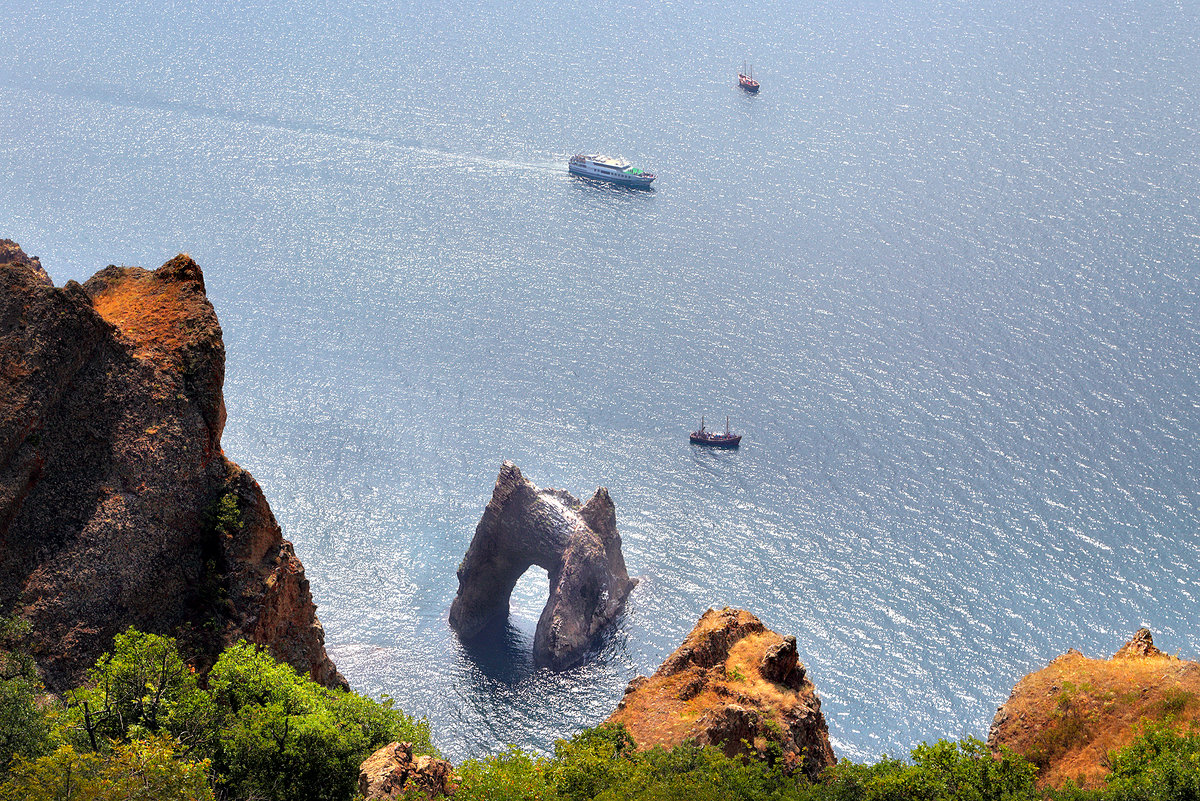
(718, 442)
(749, 85)
(638, 181)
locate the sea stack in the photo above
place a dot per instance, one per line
(577, 544)
(118, 507)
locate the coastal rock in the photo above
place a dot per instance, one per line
(392, 772)
(734, 684)
(1068, 716)
(117, 506)
(578, 546)
(1142, 645)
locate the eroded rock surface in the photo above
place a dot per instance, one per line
(392, 772)
(734, 684)
(578, 546)
(117, 505)
(1068, 716)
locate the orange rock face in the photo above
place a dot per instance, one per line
(117, 506)
(734, 684)
(1066, 717)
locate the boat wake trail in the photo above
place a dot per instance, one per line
(115, 97)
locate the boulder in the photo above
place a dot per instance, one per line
(577, 544)
(392, 772)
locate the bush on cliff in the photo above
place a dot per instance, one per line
(259, 730)
(24, 727)
(1161, 764)
(139, 689)
(966, 770)
(143, 770)
(283, 736)
(601, 765)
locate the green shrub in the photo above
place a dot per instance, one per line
(283, 736)
(144, 770)
(140, 688)
(514, 775)
(263, 730)
(24, 728)
(1159, 765)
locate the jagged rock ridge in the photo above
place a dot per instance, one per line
(735, 684)
(117, 505)
(577, 544)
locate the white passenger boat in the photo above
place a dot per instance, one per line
(604, 168)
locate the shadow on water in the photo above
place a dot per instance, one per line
(502, 652)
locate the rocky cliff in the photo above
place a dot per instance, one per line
(1066, 717)
(577, 544)
(734, 684)
(117, 505)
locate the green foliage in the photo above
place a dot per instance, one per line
(225, 518)
(283, 736)
(602, 765)
(591, 761)
(964, 771)
(512, 776)
(261, 729)
(1159, 765)
(141, 688)
(692, 773)
(144, 770)
(24, 728)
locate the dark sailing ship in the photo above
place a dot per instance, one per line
(715, 439)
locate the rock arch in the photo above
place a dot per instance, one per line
(578, 546)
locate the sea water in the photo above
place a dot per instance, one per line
(941, 273)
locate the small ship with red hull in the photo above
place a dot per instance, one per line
(746, 79)
(715, 439)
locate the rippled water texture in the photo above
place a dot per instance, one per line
(942, 273)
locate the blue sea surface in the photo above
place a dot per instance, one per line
(943, 273)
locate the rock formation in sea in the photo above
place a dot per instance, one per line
(734, 684)
(393, 773)
(1067, 717)
(118, 507)
(577, 544)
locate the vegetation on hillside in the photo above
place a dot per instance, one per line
(144, 726)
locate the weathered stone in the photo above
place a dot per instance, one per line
(1140, 645)
(578, 546)
(392, 772)
(781, 664)
(723, 687)
(111, 472)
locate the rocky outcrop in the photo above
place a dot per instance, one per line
(392, 772)
(117, 505)
(577, 544)
(734, 684)
(1067, 717)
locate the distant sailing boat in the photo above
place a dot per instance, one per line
(714, 439)
(746, 79)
